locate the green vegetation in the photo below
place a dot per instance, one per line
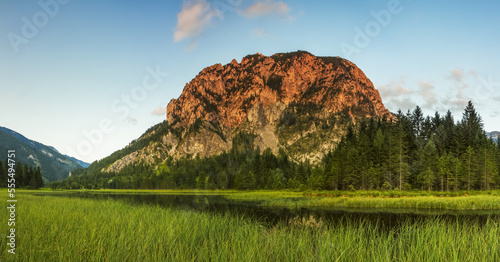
(71, 229)
(413, 153)
(479, 202)
(25, 176)
(411, 200)
(416, 153)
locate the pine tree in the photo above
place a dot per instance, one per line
(427, 129)
(469, 158)
(429, 164)
(378, 145)
(400, 153)
(489, 167)
(444, 171)
(364, 158)
(417, 120)
(352, 168)
(456, 168)
(449, 126)
(472, 124)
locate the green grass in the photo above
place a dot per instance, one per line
(479, 202)
(489, 200)
(64, 229)
(462, 200)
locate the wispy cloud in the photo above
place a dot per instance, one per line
(426, 90)
(451, 92)
(260, 32)
(266, 8)
(396, 96)
(457, 74)
(192, 20)
(131, 120)
(159, 111)
(456, 99)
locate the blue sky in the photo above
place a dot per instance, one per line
(88, 77)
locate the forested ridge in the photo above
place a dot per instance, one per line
(434, 153)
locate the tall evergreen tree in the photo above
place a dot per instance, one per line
(472, 125)
(430, 160)
(417, 120)
(401, 153)
(469, 160)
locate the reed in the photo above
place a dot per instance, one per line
(71, 229)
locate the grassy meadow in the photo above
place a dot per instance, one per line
(462, 200)
(74, 229)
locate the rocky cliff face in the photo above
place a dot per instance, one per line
(224, 94)
(296, 102)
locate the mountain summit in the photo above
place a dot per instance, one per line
(224, 94)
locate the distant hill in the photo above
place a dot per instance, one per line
(54, 165)
(493, 135)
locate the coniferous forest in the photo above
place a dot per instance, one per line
(25, 176)
(412, 152)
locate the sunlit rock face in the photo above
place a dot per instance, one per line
(295, 102)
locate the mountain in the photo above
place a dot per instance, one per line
(54, 165)
(494, 135)
(295, 102)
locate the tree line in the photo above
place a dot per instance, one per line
(25, 176)
(412, 152)
(416, 152)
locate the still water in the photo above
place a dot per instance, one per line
(386, 218)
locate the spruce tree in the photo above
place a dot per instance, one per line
(417, 120)
(472, 126)
(429, 164)
(469, 161)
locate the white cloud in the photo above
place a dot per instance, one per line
(159, 111)
(266, 8)
(193, 19)
(427, 92)
(131, 120)
(452, 92)
(457, 74)
(456, 98)
(396, 96)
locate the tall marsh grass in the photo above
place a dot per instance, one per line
(71, 229)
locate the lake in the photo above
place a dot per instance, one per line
(387, 218)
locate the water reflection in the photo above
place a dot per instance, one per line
(387, 218)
